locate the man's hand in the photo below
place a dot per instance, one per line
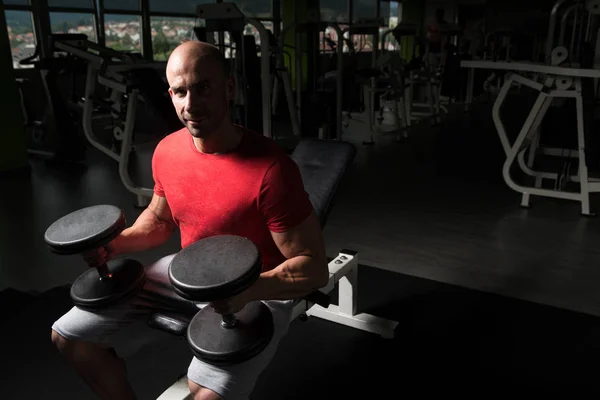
(231, 305)
(96, 257)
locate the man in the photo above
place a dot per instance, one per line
(211, 178)
(436, 39)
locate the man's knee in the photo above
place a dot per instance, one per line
(61, 343)
(202, 393)
(73, 349)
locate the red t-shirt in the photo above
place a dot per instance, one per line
(255, 189)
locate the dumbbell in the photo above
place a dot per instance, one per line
(88, 229)
(217, 268)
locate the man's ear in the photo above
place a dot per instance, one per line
(230, 88)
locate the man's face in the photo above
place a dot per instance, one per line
(201, 93)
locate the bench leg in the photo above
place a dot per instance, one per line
(178, 391)
(344, 270)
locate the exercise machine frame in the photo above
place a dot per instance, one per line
(559, 82)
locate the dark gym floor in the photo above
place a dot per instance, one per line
(492, 299)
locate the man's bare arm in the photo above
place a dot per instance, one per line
(151, 229)
(305, 269)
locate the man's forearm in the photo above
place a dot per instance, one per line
(294, 278)
(146, 233)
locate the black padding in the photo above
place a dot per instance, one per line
(319, 298)
(155, 91)
(89, 291)
(215, 268)
(215, 344)
(85, 229)
(140, 165)
(174, 323)
(322, 164)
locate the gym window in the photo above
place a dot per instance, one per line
(68, 22)
(123, 32)
(21, 35)
(168, 33)
(334, 10)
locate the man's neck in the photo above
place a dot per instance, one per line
(223, 140)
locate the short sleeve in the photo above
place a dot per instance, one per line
(158, 188)
(282, 199)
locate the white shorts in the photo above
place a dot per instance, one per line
(124, 328)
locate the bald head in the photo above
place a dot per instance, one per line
(194, 54)
(200, 87)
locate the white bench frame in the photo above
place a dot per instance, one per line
(343, 270)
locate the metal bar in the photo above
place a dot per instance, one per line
(88, 108)
(124, 12)
(171, 14)
(298, 72)
(276, 14)
(348, 292)
(572, 52)
(340, 80)
(583, 171)
(93, 59)
(563, 25)
(265, 71)
(350, 12)
(528, 82)
(74, 10)
(496, 114)
(17, 7)
(126, 146)
(552, 27)
(41, 27)
(121, 87)
(558, 152)
(531, 67)
(147, 49)
(98, 6)
(289, 94)
(534, 130)
(527, 168)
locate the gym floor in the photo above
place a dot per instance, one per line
(492, 299)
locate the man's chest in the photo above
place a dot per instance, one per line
(213, 201)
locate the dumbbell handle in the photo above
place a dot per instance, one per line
(228, 321)
(102, 269)
(103, 272)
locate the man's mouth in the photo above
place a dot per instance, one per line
(195, 119)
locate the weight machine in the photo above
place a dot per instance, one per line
(559, 80)
(57, 135)
(584, 24)
(118, 83)
(227, 17)
(313, 26)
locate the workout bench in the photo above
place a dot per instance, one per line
(322, 164)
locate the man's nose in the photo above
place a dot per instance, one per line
(192, 101)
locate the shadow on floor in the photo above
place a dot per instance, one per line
(449, 340)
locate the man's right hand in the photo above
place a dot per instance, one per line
(96, 257)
